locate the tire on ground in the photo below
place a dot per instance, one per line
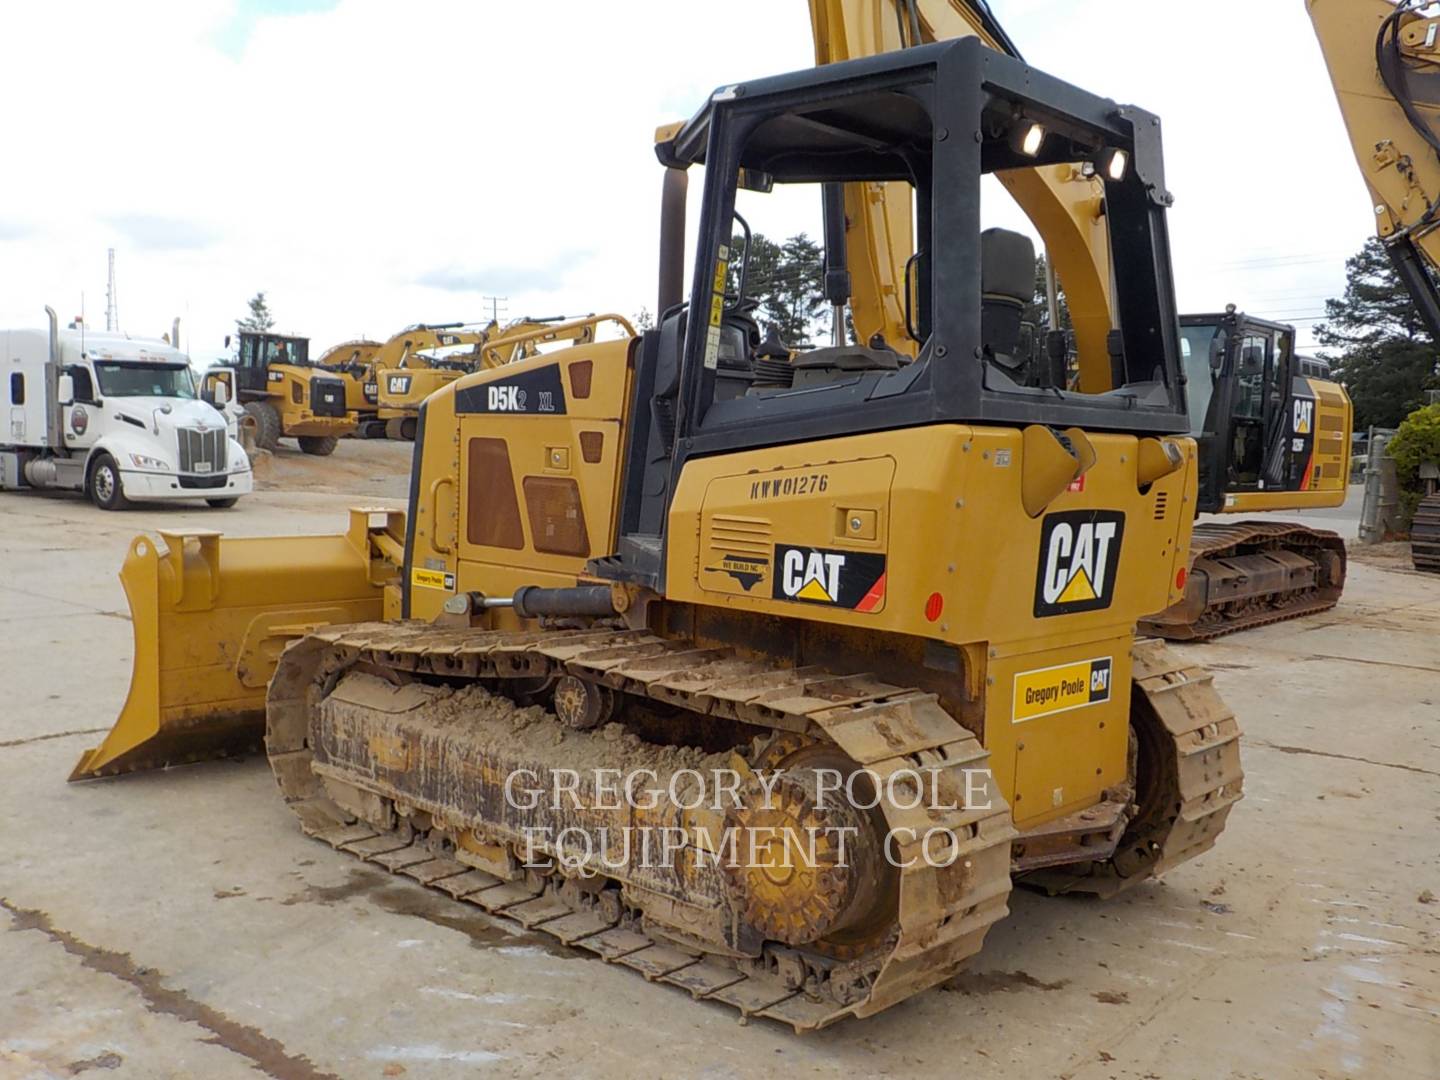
(319, 445)
(267, 424)
(103, 484)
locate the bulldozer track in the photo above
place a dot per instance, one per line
(1230, 555)
(1425, 535)
(1189, 743)
(941, 914)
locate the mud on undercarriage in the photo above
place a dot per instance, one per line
(400, 744)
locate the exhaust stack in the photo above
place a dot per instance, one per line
(672, 240)
(54, 418)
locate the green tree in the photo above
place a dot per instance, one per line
(259, 319)
(1038, 310)
(1383, 352)
(788, 281)
(1416, 443)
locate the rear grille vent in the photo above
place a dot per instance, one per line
(1162, 503)
(202, 451)
(731, 534)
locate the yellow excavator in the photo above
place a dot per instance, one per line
(361, 361)
(1383, 59)
(403, 382)
(387, 380)
(1269, 438)
(766, 684)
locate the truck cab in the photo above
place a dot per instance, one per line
(114, 416)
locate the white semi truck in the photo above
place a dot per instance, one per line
(113, 416)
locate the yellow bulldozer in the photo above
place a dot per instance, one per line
(765, 679)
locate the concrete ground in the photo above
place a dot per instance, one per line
(178, 924)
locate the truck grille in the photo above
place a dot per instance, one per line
(202, 451)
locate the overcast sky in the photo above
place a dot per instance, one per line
(373, 163)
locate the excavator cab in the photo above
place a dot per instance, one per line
(1263, 427)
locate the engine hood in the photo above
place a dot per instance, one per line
(183, 413)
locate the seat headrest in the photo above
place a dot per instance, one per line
(1007, 265)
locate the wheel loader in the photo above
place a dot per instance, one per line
(285, 394)
(765, 687)
(1383, 58)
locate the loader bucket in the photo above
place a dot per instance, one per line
(211, 617)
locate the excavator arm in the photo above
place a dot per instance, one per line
(1067, 208)
(1384, 62)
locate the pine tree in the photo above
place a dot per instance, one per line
(259, 320)
(1385, 355)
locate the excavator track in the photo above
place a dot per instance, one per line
(1249, 574)
(1187, 776)
(1425, 535)
(370, 761)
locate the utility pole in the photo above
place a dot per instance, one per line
(497, 306)
(112, 306)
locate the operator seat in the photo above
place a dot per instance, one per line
(1007, 284)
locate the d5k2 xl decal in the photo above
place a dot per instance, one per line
(1079, 558)
(847, 579)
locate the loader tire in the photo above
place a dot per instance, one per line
(267, 424)
(319, 445)
(222, 504)
(104, 486)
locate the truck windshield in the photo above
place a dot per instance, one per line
(145, 380)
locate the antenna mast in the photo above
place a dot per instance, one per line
(112, 307)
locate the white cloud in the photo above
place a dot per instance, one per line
(373, 164)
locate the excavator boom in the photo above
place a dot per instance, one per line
(1065, 205)
(1384, 60)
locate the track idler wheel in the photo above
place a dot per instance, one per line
(804, 864)
(583, 705)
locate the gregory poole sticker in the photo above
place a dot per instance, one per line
(1079, 558)
(432, 579)
(1058, 689)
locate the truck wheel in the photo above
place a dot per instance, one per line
(319, 445)
(222, 504)
(104, 486)
(267, 424)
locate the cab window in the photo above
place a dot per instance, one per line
(1250, 377)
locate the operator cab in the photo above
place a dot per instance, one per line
(931, 122)
(1240, 373)
(257, 351)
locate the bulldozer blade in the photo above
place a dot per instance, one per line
(211, 617)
